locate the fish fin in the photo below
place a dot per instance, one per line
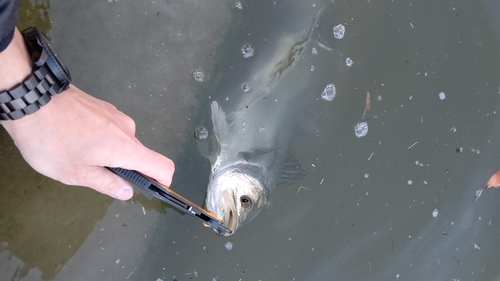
(221, 129)
(211, 147)
(292, 170)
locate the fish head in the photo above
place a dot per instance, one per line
(235, 197)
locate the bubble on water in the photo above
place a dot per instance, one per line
(201, 133)
(410, 182)
(228, 246)
(247, 51)
(262, 129)
(442, 96)
(117, 261)
(246, 88)
(329, 92)
(314, 51)
(312, 67)
(238, 5)
(361, 129)
(366, 175)
(348, 62)
(338, 31)
(379, 98)
(198, 75)
(435, 213)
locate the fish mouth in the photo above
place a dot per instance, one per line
(229, 214)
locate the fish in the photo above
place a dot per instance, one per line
(251, 132)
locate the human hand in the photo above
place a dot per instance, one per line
(75, 135)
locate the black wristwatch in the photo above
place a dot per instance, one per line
(49, 77)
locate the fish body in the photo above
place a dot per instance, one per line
(252, 133)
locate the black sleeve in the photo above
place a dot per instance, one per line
(9, 14)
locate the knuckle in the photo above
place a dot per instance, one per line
(129, 123)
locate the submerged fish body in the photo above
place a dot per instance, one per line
(252, 133)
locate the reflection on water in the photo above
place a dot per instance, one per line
(34, 13)
(42, 222)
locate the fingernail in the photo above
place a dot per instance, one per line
(124, 194)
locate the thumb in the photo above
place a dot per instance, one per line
(106, 182)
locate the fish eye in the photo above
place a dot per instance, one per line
(246, 202)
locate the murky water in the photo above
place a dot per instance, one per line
(425, 154)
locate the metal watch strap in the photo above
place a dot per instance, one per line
(34, 92)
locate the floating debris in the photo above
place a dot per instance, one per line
(361, 129)
(201, 133)
(243, 124)
(228, 246)
(238, 5)
(134, 271)
(442, 96)
(314, 51)
(371, 156)
(247, 51)
(302, 187)
(246, 88)
(415, 143)
(198, 75)
(478, 193)
(339, 31)
(367, 105)
(348, 62)
(329, 92)
(493, 182)
(435, 213)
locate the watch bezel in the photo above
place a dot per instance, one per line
(42, 52)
